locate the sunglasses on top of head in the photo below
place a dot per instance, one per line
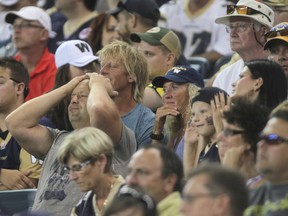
(244, 10)
(279, 30)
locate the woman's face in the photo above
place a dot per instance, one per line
(109, 32)
(176, 95)
(245, 85)
(230, 137)
(87, 177)
(202, 118)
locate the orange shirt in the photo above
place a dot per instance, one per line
(42, 78)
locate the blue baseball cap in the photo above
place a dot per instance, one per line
(180, 74)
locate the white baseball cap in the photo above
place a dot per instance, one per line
(8, 2)
(30, 13)
(264, 17)
(75, 52)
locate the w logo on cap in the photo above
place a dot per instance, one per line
(83, 47)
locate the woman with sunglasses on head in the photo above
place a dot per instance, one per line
(261, 81)
(88, 154)
(237, 143)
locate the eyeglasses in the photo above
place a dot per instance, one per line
(279, 30)
(239, 27)
(272, 139)
(191, 198)
(244, 10)
(25, 26)
(80, 166)
(231, 132)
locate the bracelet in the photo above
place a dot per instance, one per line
(156, 136)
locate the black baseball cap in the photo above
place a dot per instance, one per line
(146, 8)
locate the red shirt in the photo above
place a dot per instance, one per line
(42, 78)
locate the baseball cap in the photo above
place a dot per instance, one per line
(8, 2)
(252, 9)
(146, 8)
(207, 94)
(30, 13)
(276, 2)
(278, 32)
(75, 52)
(180, 74)
(159, 36)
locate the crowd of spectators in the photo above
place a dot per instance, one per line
(105, 109)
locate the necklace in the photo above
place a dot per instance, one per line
(106, 200)
(101, 206)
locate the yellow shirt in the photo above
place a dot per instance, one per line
(170, 206)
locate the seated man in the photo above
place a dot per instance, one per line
(162, 49)
(214, 191)
(270, 198)
(158, 172)
(91, 105)
(19, 170)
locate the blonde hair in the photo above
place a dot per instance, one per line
(173, 123)
(87, 143)
(134, 61)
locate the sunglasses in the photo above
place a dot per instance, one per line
(244, 10)
(272, 139)
(279, 30)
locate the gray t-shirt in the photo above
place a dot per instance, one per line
(56, 194)
(268, 200)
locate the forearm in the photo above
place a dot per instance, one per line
(29, 114)
(103, 112)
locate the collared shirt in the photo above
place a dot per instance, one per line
(42, 78)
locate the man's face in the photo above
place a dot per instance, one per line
(279, 53)
(145, 171)
(77, 109)
(8, 91)
(123, 26)
(156, 58)
(197, 199)
(27, 34)
(116, 72)
(272, 159)
(242, 35)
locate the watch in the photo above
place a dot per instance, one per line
(156, 136)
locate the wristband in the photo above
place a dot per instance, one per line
(156, 136)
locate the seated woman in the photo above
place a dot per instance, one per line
(262, 81)
(103, 31)
(88, 154)
(131, 201)
(179, 85)
(237, 143)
